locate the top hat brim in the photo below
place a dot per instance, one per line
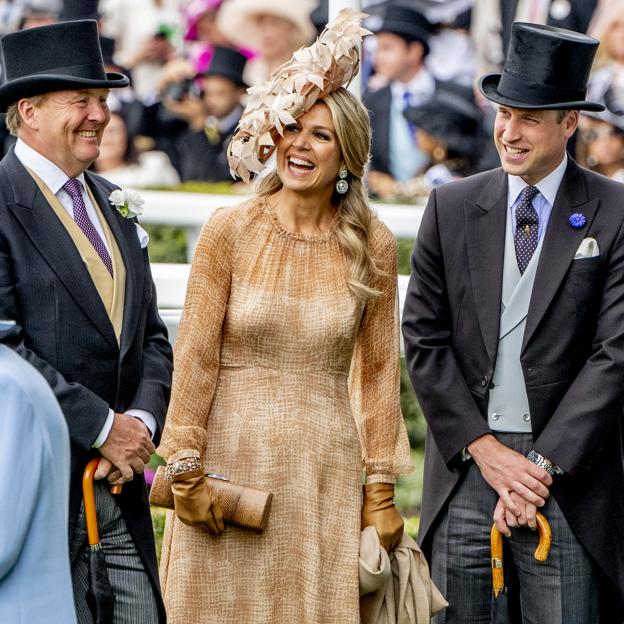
(488, 85)
(38, 84)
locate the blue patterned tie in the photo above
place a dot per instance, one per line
(527, 228)
(73, 188)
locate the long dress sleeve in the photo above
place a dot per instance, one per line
(375, 375)
(198, 345)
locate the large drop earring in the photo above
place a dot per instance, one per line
(342, 186)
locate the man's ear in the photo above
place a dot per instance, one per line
(571, 121)
(28, 112)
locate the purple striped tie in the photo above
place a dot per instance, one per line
(74, 190)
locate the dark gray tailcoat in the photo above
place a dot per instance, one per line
(572, 356)
(65, 332)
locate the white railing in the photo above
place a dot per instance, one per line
(171, 280)
(190, 211)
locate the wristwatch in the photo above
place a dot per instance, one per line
(539, 460)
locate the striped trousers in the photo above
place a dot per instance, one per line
(135, 602)
(562, 590)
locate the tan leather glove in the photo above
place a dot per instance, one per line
(378, 510)
(195, 503)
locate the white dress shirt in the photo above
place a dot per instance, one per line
(54, 178)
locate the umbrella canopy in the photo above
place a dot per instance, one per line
(500, 613)
(100, 595)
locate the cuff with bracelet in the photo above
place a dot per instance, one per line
(539, 460)
(182, 465)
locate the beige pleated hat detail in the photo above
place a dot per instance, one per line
(312, 73)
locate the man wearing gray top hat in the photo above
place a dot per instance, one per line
(515, 345)
(75, 276)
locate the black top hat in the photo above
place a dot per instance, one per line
(60, 56)
(80, 9)
(451, 116)
(228, 63)
(407, 23)
(545, 68)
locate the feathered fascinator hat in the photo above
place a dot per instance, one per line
(312, 73)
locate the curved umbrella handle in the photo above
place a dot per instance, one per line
(496, 545)
(89, 501)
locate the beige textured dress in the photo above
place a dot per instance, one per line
(284, 381)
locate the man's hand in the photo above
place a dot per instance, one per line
(507, 471)
(506, 520)
(128, 447)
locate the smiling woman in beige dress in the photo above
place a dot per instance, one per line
(287, 379)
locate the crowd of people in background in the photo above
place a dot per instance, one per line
(191, 61)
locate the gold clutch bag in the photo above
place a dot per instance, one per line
(245, 506)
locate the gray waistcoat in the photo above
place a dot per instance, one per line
(508, 405)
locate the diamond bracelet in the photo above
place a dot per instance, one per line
(183, 465)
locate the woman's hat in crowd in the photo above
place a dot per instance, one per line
(237, 19)
(56, 57)
(228, 63)
(613, 113)
(451, 116)
(407, 23)
(194, 12)
(293, 89)
(545, 68)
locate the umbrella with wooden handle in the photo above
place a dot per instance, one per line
(100, 595)
(500, 606)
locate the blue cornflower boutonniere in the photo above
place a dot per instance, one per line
(578, 220)
(129, 204)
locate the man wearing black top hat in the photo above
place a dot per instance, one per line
(75, 275)
(401, 50)
(212, 117)
(515, 345)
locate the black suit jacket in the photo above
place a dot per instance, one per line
(572, 356)
(578, 19)
(64, 330)
(202, 160)
(378, 104)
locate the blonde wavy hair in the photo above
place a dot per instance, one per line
(352, 127)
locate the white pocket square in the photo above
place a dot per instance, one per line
(587, 249)
(142, 235)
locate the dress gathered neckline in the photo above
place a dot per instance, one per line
(299, 236)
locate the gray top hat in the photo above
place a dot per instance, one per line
(53, 58)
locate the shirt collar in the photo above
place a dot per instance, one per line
(53, 177)
(547, 186)
(422, 84)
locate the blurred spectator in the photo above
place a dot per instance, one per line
(202, 33)
(601, 142)
(492, 19)
(450, 131)
(402, 44)
(608, 68)
(273, 29)
(39, 13)
(212, 117)
(119, 162)
(147, 33)
(451, 57)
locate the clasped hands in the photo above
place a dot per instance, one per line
(126, 450)
(522, 486)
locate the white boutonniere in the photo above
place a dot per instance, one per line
(129, 204)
